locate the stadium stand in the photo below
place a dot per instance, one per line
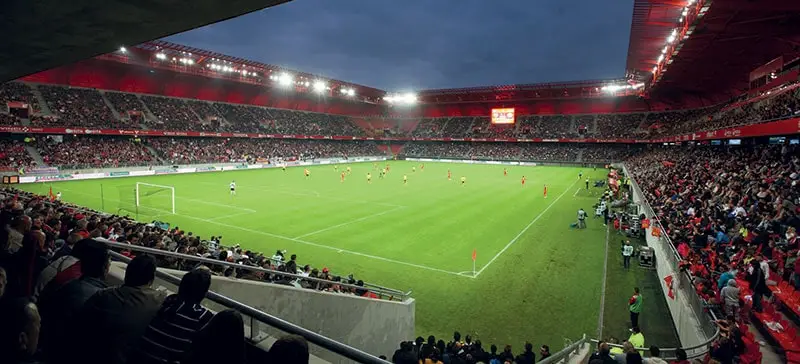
(732, 215)
(86, 152)
(50, 272)
(244, 118)
(14, 156)
(612, 126)
(6, 119)
(606, 153)
(207, 150)
(555, 126)
(171, 114)
(17, 91)
(76, 107)
(464, 350)
(495, 151)
(124, 102)
(85, 108)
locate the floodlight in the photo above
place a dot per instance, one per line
(351, 92)
(122, 49)
(161, 56)
(319, 86)
(655, 68)
(285, 79)
(660, 58)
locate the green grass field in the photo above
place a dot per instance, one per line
(536, 279)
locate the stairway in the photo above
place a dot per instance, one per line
(189, 106)
(579, 158)
(573, 127)
(109, 104)
(148, 115)
(152, 151)
(34, 153)
(43, 108)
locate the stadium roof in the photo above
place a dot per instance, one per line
(43, 34)
(720, 47)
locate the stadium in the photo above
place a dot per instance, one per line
(166, 203)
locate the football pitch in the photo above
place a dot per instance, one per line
(535, 278)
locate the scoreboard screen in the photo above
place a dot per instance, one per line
(503, 116)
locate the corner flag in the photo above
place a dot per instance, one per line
(474, 254)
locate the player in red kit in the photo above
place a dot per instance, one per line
(422, 167)
(505, 172)
(545, 191)
(523, 181)
(449, 175)
(342, 176)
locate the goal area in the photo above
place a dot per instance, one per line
(155, 197)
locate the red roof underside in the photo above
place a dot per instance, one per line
(731, 40)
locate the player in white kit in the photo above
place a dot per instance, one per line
(233, 188)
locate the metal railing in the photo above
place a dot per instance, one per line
(255, 317)
(684, 285)
(566, 353)
(382, 292)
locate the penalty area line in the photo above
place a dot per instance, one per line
(516, 238)
(348, 222)
(299, 241)
(229, 216)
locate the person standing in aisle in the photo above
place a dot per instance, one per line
(627, 253)
(635, 307)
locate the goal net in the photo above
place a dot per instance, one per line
(155, 197)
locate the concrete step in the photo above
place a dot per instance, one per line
(43, 108)
(148, 114)
(156, 154)
(34, 154)
(109, 104)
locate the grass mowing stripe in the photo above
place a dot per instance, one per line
(514, 240)
(528, 295)
(296, 240)
(372, 216)
(603, 288)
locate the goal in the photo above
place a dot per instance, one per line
(156, 197)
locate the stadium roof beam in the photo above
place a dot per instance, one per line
(43, 34)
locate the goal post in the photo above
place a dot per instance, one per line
(157, 197)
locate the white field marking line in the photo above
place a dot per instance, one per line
(215, 204)
(349, 222)
(318, 195)
(576, 192)
(514, 240)
(299, 241)
(603, 289)
(267, 188)
(230, 215)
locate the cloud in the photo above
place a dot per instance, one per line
(420, 44)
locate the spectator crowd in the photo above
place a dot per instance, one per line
(78, 107)
(732, 215)
(57, 304)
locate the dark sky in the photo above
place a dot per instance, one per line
(422, 44)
